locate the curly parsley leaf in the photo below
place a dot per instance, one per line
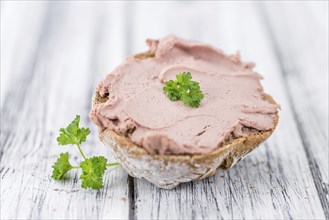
(61, 166)
(93, 170)
(72, 134)
(192, 96)
(185, 89)
(172, 90)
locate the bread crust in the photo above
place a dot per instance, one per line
(167, 171)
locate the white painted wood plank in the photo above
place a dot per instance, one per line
(273, 182)
(13, 15)
(77, 44)
(303, 54)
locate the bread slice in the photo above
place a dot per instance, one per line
(167, 171)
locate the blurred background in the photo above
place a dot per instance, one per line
(53, 54)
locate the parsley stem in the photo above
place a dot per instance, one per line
(112, 164)
(84, 157)
(75, 167)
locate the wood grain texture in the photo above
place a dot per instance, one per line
(304, 67)
(54, 53)
(56, 80)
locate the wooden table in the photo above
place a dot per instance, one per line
(54, 53)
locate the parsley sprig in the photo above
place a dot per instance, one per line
(93, 168)
(185, 89)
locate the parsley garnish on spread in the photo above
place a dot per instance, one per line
(183, 88)
(93, 168)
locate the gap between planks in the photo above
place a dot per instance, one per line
(312, 163)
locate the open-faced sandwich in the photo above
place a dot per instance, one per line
(181, 111)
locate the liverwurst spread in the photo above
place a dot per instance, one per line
(138, 108)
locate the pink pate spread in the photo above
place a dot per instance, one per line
(138, 108)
